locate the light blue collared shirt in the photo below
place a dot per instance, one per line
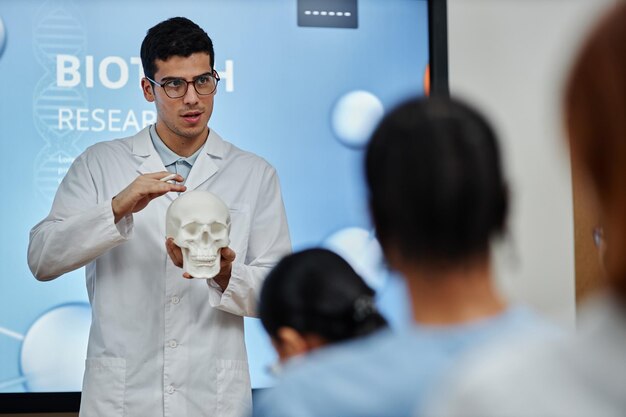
(389, 374)
(173, 162)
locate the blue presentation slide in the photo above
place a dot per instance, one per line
(302, 85)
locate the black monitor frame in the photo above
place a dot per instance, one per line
(69, 402)
(438, 46)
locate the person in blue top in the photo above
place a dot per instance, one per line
(437, 197)
(583, 374)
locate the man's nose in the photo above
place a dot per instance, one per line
(191, 96)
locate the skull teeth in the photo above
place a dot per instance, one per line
(204, 260)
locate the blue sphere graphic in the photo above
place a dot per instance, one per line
(3, 36)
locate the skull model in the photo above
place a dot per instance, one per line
(199, 222)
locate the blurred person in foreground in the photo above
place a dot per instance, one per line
(437, 197)
(585, 374)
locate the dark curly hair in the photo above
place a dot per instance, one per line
(177, 36)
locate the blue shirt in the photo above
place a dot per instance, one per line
(384, 375)
(173, 162)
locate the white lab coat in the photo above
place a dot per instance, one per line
(161, 345)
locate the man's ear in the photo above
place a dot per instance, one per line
(148, 89)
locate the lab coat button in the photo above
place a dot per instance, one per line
(170, 389)
(173, 343)
(175, 300)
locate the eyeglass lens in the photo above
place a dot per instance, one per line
(204, 85)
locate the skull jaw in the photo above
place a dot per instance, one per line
(201, 268)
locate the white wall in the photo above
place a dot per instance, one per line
(509, 57)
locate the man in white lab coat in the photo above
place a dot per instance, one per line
(162, 345)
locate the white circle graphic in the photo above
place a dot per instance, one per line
(354, 117)
(362, 251)
(54, 349)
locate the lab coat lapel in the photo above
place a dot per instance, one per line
(205, 166)
(149, 159)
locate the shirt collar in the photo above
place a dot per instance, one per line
(167, 155)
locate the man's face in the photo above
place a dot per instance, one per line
(183, 119)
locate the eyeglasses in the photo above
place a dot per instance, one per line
(204, 85)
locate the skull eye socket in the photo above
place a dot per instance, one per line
(218, 231)
(192, 229)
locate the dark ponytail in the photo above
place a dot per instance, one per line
(317, 292)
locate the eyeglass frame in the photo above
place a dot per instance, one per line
(213, 74)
